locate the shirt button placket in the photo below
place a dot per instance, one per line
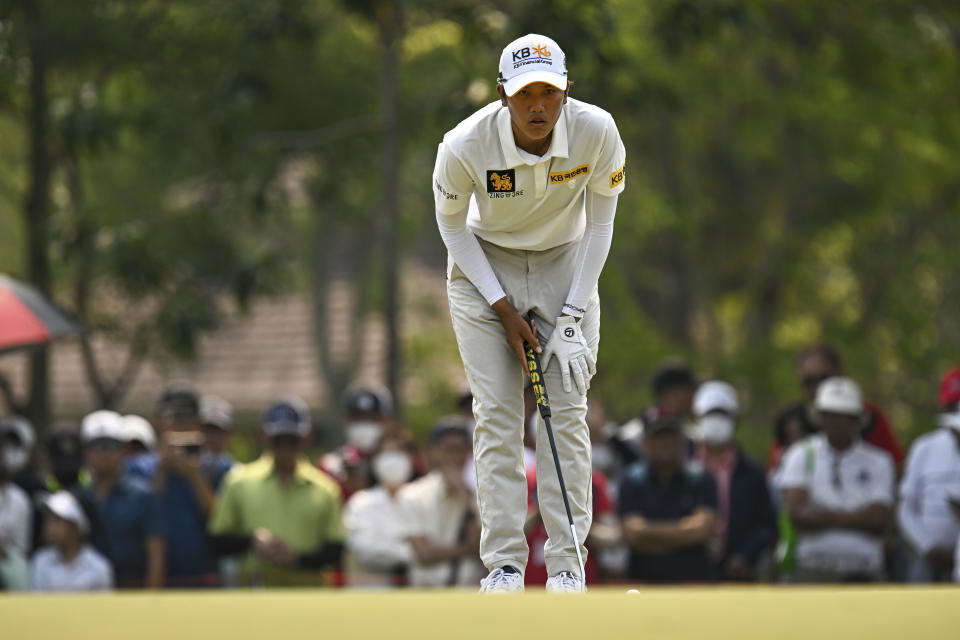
(540, 178)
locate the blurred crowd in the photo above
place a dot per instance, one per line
(127, 501)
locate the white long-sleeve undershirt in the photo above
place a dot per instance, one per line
(591, 255)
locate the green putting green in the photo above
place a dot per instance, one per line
(740, 613)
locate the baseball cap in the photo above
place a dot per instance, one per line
(64, 505)
(532, 58)
(103, 424)
(839, 395)
(179, 401)
(368, 399)
(950, 388)
(138, 429)
(19, 427)
(715, 395)
(662, 425)
(287, 417)
(217, 412)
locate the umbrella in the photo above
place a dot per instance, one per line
(28, 318)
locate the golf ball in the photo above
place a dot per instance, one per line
(632, 591)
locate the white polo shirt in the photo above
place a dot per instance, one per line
(89, 571)
(861, 476)
(435, 515)
(16, 518)
(521, 201)
(376, 528)
(930, 480)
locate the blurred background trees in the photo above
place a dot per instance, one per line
(794, 176)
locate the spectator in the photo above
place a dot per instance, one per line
(68, 564)
(673, 385)
(279, 507)
(19, 440)
(814, 365)
(141, 438)
(444, 530)
(668, 510)
(376, 527)
(65, 457)
(15, 522)
(127, 508)
(185, 496)
(931, 482)
(838, 491)
(216, 416)
(746, 520)
(368, 415)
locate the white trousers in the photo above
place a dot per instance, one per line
(537, 283)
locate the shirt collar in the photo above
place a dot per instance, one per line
(300, 473)
(559, 146)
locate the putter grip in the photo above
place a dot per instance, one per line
(536, 379)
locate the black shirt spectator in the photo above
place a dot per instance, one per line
(668, 510)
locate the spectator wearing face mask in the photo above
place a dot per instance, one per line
(280, 512)
(930, 492)
(16, 517)
(20, 438)
(376, 528)
(746, 520)
(367, 417)
(68, 563)
(441, 508)
(838, 491)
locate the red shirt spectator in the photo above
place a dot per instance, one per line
(536, 573)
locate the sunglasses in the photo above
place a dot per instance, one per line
(104, 444)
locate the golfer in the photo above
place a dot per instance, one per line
(526, 190)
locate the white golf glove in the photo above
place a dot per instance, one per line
(573, 355)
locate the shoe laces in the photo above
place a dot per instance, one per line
(497, 578)
(567, 581)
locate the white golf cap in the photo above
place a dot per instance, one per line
(64, 505)
(839, 395)
(532, 58)
(216, 411)
(103, 424)
(715, 395)
(138, 429)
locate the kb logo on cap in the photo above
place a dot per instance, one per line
(540, 50)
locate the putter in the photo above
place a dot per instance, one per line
(543, 405)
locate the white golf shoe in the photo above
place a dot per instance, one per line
(502, 580)
(565, 582)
